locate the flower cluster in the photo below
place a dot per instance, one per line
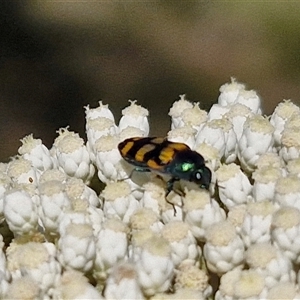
(240, 239)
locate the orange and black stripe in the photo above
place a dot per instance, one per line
(150, 152)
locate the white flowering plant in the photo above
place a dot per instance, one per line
(240, 239)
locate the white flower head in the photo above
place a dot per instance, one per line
(111, 247)
(224, 249)
(286, 232)
(23, 288)
(257, 139)
(242, 284)
(213, 135)
(283, 111)
(123, 283)
(155, 267)
(5, 185)
(284, 290)
(251, 100)
(270, 262)
(200, 212)
(265, 181)
(183, 134)
(76, 189)
(20, 211)
(238, 115)
(54, 204)
(293, 167)
(119, 201)
(256, 225)
(36, 260)
(194, 117)
(74, 285)
(145, 218)
(73, 156)
(37, 153)
(191, 277)
(229, 92)
(98, 127)
(290, 144)
(136, 116)
(21, 171)
(102, 111)
(183, 244)
(107, 157)
(77, 247)
(234, 185)
(176, 111)
(217, 111)
(287, 191)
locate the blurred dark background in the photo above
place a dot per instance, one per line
(57, 56)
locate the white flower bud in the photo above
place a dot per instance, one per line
(111, 247)
(119, 201)
(287, 191)
(37, 153)
(183, 134)
(183, 244)
(54, 203)
(270, 262)
(155, 267)
(265, 180)
(130, 132)
(76, 189)
(257, 139)
(20, 170)
(229, 92)
(256, 226)
(21, 212)
(36, 260)
(102, 111)
(293, 167)
(145, 218)
(217, 111)
(191, 277)
(213, 135)
(176, 111)
(283, 111)
(194, 117)
(250, 99)
(5, 185)
(24, 288)
(73, 156)
(95, 129)
(234, 185)
(271, 160)
(136, 116)
(290, 144)
(224, 249)
(77, 249)
(53, 174)
(201, 212)
(123, 283)
(238, 115)
(236, 216)
(73, 285)
(286, 232)
(242, 284)
(284, 290)
(107, 159)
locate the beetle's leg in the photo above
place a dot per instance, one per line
(170, 185)
(136, 169)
